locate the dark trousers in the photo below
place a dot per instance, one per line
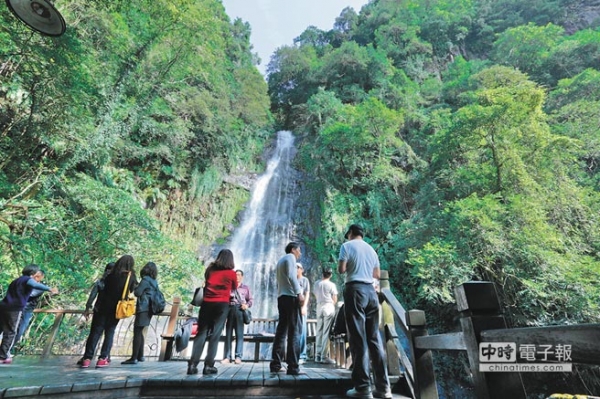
(211, 320)
(101, 324)
(235, 321)
(9, 322)
(289, 326)
(361, 307)
(139, 338)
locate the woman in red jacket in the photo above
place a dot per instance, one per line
(220, 281)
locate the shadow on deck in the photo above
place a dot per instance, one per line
(59, 377)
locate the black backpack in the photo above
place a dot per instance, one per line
(157, 301)
(338, 327)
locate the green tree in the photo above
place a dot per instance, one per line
(118, 130)
(290, 76)
(321, 108)
(573, 55)
(574, 109)
(527, 48)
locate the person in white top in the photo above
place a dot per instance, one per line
(361, 307)
(305, 284)
(326, 293)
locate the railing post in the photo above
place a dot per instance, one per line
(387, 318)
(52, 336)
(477, 302)
(424, 374)
(166, 348)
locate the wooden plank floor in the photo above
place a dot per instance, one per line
(29, 377)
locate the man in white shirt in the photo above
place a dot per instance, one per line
(326, 293)
(361, 307)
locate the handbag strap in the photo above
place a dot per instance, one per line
(126, 286)
(237, 295)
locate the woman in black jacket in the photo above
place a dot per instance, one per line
(104, 321)
(143, 311)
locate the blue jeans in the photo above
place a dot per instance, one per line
(101, 324)
(288, 326)
(361, 307)
(26, 317)
(303, 333)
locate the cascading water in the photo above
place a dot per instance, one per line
(267, 227)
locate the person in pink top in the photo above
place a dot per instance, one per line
(220, 280)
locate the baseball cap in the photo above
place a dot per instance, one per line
(356, 230)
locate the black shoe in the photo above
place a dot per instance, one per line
(192, 369)
(294, 372)
(130, 361)
(141, 359)
(209, 370)
(276, 368)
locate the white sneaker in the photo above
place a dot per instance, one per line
(328, 361)
(359, 393)
(382, 395)
(301, 361)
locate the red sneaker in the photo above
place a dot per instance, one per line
(102, 363)
(8, 360)
(85, 363)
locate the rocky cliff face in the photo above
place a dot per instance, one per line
(582, 14)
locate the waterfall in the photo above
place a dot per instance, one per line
(267, 226)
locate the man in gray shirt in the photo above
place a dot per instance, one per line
(361, 307)
(289, 301)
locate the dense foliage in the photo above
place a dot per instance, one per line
(117, 136)
(464, 136)
(462, 133)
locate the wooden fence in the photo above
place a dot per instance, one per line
(481, 322)
(408, 345)
(63, 332)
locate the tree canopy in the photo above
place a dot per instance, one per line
(464, 136)
(116, 137)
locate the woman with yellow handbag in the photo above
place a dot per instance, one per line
(118, 285)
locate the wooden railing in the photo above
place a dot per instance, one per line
(407, 343)
(415, 367)
(259, 331)
(64, 332)
(481, 321)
